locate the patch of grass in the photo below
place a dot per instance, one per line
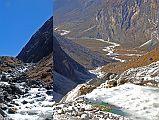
(103, 107)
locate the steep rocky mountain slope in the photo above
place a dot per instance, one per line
(40, 44)
(131, 23)
(67, 72)
(65, 65)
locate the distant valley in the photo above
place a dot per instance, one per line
(117, 43)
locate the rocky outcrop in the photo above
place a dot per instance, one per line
(40, 45)
(7, 63)
(147, 75)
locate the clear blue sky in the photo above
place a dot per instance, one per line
(19, 20)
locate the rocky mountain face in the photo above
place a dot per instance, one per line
(130, 23)
(71, 68)
(40, 44)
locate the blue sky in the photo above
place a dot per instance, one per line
(19, 20)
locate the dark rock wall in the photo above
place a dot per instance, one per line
(40, 45)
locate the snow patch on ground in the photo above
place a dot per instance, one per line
(146, 73)
(149, 43)
(139, 102)
(110, 51)
(98, 72)
(89, 29)
(111, 48)
(62, 32)
(73, 93)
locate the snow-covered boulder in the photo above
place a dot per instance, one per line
(147, 75)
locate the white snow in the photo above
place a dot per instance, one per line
(98, 72)
(63, 32)
(110, 51)
(89, 29)
(111, 48)
(137, 102)
(38, 106)
(118, 59)
(73, 93)
(149, 43)
(149, 72)
(132, 54)
(4, 83)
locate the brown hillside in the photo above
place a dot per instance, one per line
(144, 60)
(43, 71)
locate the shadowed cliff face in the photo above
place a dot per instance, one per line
(128, 22)
(67, 73)
(66, 66)
(40, 44)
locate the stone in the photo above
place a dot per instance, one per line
(12, 110)
(2, 114)
(3, 106)
(82, 109)
(24, 102)
(60, 111)
(84, 116)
